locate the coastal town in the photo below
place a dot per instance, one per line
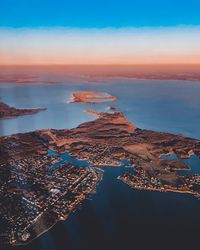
(143, 181)
(34, 196)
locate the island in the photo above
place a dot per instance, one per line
(92, 97)
(45, 174)
(112, 108)
(7, 112)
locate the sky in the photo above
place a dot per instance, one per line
(99, 32)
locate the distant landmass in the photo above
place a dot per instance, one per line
(8, 112)
(96, 73)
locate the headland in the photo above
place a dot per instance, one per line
(8, 112)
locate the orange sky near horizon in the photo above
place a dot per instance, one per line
(57, 46)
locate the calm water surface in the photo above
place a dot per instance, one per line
(171, 106)
(117, 217)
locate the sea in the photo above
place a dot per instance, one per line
(116, 216)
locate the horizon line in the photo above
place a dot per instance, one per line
(102, 64)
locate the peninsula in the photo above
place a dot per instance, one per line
(40, 187)
(7, 112)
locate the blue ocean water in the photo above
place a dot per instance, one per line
(171, 106)
(193, 163)
(116, 216)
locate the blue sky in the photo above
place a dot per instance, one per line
(99, 32)
(99, 13)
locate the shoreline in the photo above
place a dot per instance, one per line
(156, 189)
(91, 97)
(105, 141)
(9, 112)
(99, 173)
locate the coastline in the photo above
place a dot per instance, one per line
(92, 190)
(8, 112)
(163, 189)
(91, 97)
